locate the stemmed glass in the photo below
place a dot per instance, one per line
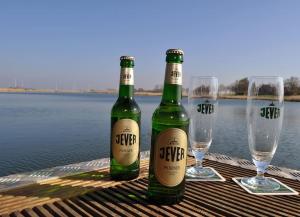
(264, 121)
(202, 106)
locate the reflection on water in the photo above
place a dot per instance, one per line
(45, 130)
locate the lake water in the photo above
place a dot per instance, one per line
(44, 130)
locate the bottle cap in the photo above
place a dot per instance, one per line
(127, 58)
(175, 51)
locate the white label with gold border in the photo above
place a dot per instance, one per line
(170, 157)
(125, 141)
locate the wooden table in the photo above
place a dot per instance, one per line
(94, 194)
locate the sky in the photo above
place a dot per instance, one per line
(77, 44)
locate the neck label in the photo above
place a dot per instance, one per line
(126, 76)
(170, 157)
(173, 73)
(125, 141)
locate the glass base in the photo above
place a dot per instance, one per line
(200, 172)
(260, 183)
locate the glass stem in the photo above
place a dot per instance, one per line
(260, 175)
(199, 163)
(199, 155)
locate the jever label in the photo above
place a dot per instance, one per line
(173, 73)
(125, 141)
(270, 112)
(206, 108)
(126, 76)
(170, 157)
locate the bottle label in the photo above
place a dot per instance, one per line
(170, 157)
(173, 73)
(125, 141)
(126, 76)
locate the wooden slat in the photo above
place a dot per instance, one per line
(250, 200)
(29, 212)
(41, 211)
(27, 203)
(16, 214)
(169, 209)
(85, 206)
(207, 202)
(224, 200)
(118, 200)
(137, 191)
(100, 202)
(54, 210)
(66, 209)
(88, 195)
(131, 199)
(77, 208)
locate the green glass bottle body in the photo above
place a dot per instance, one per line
(125, 128)
(168, 152)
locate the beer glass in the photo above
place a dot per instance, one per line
(264, 121)
(202, 106)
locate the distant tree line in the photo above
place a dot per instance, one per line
(291, 87)
(240, 87)
(157, 89)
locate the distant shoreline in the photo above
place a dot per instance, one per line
(295, 98)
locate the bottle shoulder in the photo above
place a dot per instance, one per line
(125, 106)
(170, 114)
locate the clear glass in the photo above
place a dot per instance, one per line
(265, 108)
(202, 106)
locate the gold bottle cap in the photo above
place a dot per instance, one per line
(176, 51)
(127, 58)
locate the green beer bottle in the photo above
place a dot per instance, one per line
(125, 127)
(169, 142)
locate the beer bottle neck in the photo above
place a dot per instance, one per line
(126, 87)
(172, 92)
(126, 91)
